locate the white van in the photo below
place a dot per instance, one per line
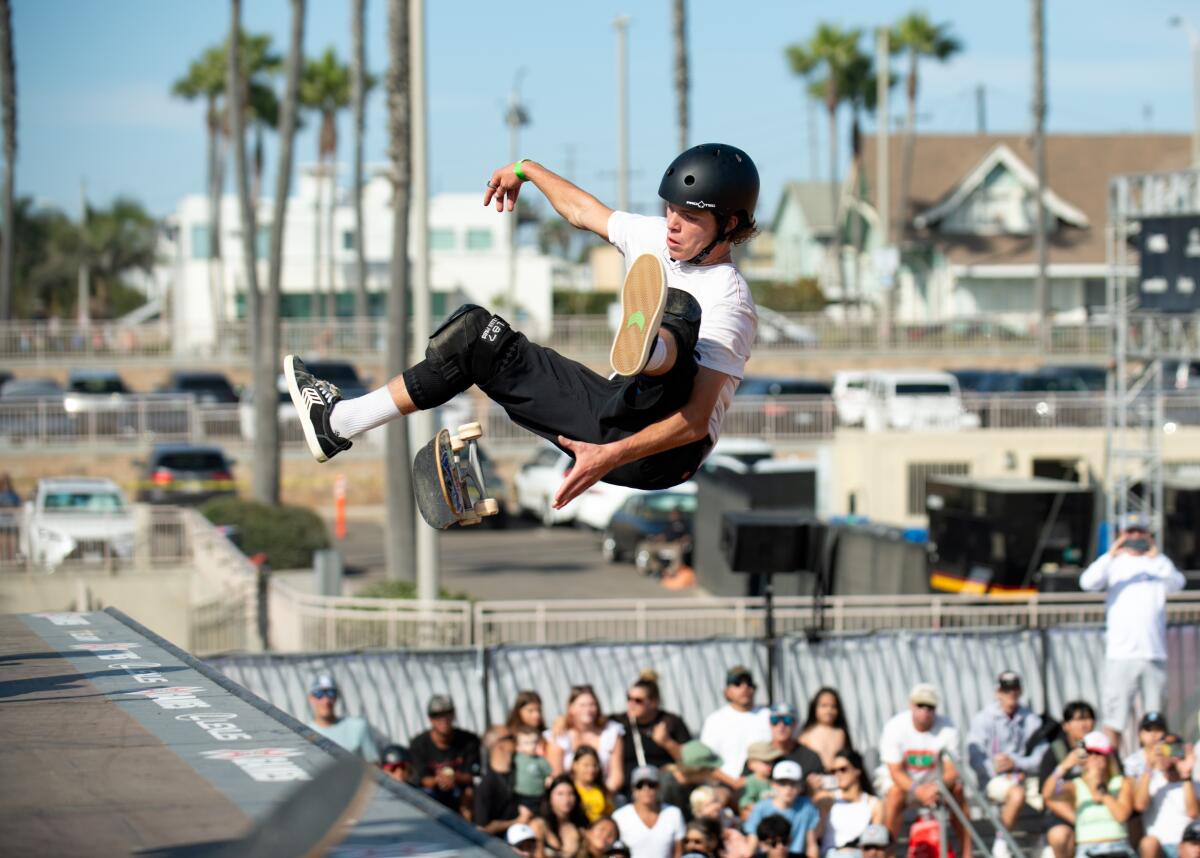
(850, 396)
(914, 399)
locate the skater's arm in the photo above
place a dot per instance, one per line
(577, 206)
(688, 424)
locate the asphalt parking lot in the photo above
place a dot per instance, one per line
(523, 561)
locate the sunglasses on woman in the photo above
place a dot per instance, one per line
(840, 770)
(783, 719)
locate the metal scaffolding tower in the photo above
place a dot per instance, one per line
(1141, 340)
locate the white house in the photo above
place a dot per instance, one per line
(469, 259)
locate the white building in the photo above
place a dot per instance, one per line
(468, 261)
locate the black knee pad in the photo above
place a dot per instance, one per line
(681, 316)
(464, 350)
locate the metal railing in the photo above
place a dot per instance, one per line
(581, 337)
(783, 419)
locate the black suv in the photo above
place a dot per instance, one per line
(209, 388)
(185, 474)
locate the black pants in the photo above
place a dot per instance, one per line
(551, 395)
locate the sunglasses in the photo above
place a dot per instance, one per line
(645, 785)
(322, 694)
(841, 770)
(393, 767)
(928, 706)
(774, 842)
(783, 719)
(741, 680)
(695, 841)
(633, 699)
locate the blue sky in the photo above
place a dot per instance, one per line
(93, 82)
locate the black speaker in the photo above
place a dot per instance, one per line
(763, 542)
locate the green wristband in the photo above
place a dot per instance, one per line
(517, 170)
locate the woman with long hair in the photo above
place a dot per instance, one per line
(526, 711)
(584, 725)
(1099, 801)
(585, 774)
(853, 806)
(560, 824)
(825, 730)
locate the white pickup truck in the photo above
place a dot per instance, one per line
(77, 518)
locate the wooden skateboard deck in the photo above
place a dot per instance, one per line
(449, 487)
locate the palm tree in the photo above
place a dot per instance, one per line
(400, 532)
(325, 88)
(8, 115)
(679, 35)
(358, 87)
(920, 37)
(830, 51)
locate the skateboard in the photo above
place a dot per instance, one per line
(449, 485)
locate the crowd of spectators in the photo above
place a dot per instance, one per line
(759, 781)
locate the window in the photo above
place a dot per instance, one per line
(262, 242)
(919, 474)
(348, 240)
(441, 239)
(479, 239)
(201, 245)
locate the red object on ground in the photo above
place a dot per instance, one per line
(924, 839)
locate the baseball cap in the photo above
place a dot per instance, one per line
(874, 835)
(519, 833)
(323, 682)
(617, 848)
(697, 755)
(1153, 720)
(925, 693)
(1009, 680)
(394, 755)
(764, 751)
(1097, 742)
(439, 704)
(783, 710)
(786, 770)
(645, 773)
(1135, 521)
(737, 673)
(1191, 834)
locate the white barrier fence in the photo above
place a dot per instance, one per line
(582, 337)
(44, 423)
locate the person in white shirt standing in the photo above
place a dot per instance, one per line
(730, 730)
(911, 747)
(688, 322)
(1137, 579)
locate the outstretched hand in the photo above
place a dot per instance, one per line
(592, 461)
(504, 185)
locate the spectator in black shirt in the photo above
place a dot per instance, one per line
(1079, 719)
(659, 734)
(783, 720)
(445, 759)
(496, 807)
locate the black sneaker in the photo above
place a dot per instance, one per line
(314, 399)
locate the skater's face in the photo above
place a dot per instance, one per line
(689, 231)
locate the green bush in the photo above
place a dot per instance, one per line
(403, 590)
(799, 296)
(571, 303)
(288, 535)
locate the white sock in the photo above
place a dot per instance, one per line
(658, 357)
(352, 417)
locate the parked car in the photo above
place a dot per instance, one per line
(914, 399)
(77, 518)
(1080, 376)
(1181, 375)
(987, 381)
(789, 404)
(209, 388)
(94, 390)
(340, 373)
(32, 409)
(646, 518)
(775, 327)
(538, 480)
(850, 396)
(31, 388)
(185, 474)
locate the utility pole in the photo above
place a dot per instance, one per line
(621, 24)
(980, 110)
(679, 28)
(428, 571)
(883, 198)
(1194, 43)
(83, 312)
(515, 117)
(1041, 291)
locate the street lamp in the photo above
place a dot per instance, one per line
(1194, 41)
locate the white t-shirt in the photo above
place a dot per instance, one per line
(729, 319)
(656, 842)
(916, 750)
(847, 821)
(1166, 817)
(608, 740)
(1135, 614)
(731, 733)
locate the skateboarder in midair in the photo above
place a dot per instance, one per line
(680, 351)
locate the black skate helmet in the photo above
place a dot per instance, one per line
(713, 177)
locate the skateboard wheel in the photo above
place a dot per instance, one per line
(470, 431)
(487, 506)
(456, 443)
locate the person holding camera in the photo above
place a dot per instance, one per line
(1167, 795)
(1136, 578)
(1098, 802)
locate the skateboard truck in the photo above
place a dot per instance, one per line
(450, 489)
